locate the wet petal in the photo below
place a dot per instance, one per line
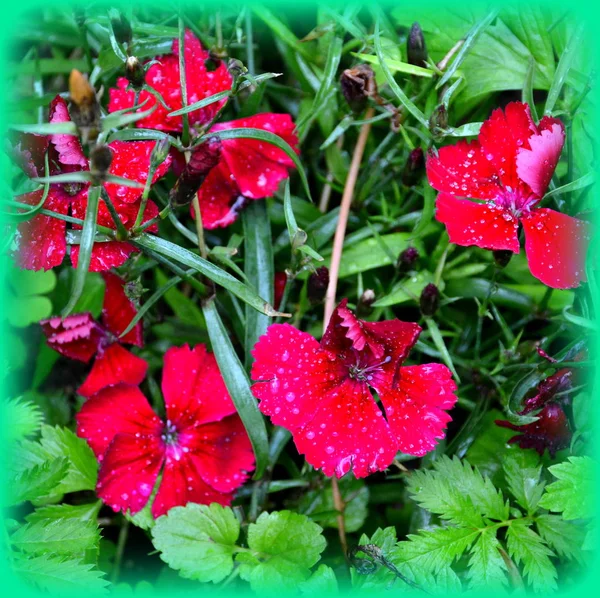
(483, 225)
(68, 147)
(28, 150)
(118, 310)
(76, 337)
(556, 246)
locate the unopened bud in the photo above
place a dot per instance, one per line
(236, 68)
(160, 152)
(429, 300)
(85, 110)
(318, 282)
(134, 72)
(407, 259)
(279, 285)
(100, 161)
(416, 51)
(439, 120)
(414, 167)
(121, 27)
(358, 84)
(502, 257)
(364, 306)
(134, 289)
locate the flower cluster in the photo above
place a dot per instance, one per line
(509, 168)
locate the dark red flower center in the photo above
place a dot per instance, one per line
(516, 201)
(364, 368)
(169, 434)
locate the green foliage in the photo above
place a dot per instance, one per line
(23, 417)
(26, 300)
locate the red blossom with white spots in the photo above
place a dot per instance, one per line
(322, 392)
(41, 240)
(202, 81)
(202, 448)
(80, 337)
(509, 168)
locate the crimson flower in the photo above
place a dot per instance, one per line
(42, 240)
(80, 337)
(202, 81)
(322, 392)
(509, 167)
(202, 448)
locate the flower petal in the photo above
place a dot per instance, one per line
(292, 375)
(129, 471)
(535, 166)
(164, 78)
(118, 310)
(181, 483)
(463, 170)
(416, 409)
(193, 388)
(347, 433)
(556, 246)
(41, 240)
(503, 135)
(28, 150)
(76, 337)
(113, 365)
(131, 160)
(105, 255)
(70, 152)
(483, 225)
(220, 451)
(116, 409)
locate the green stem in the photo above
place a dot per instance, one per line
(145, 194)
(122, 232)
(123, 533)
(249, 42)
(185, 135)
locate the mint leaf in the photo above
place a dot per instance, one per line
(523, 478)
(525, 546)
(572, 494)
(60, 574)
(486, 565)
(58, 536)
(284, 547)
(198, 540)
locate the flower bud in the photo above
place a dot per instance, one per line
(135, 73)
(279, 284)
(357, 85)
(363, 308)
(84, 109)
(438, 121)
(502, 257)
(416, 51)
(100, 161)
(429, 300)
(236, 68)
(407, 259)
(121, 27)
(414, 167)
(160, 152)
(318, 282)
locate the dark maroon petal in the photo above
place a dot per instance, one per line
(28, 151)
(76, 337)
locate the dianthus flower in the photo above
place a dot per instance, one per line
(202, 448)
(322, 392)
(248, 169)
(509, 167)
(41, 240)
(80, 337)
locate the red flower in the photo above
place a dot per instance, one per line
(80, 337)
(551, 431)
(510, 167)
(42, 239)
(202, 449)
(201, 82)
(321, 392)
(279, 283)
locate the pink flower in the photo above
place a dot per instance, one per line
(510, 167)
(202, 448)
(80, 337)
(201, 82)
(322, 392)
(42, 239)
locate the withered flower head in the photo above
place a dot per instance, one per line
(358, 84)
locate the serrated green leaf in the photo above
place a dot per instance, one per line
(487, 569)
(523, 473)
(37, 481)
(526, 547)
(87, 512)
(321, 582)
(573, 493)
(58, 536)
(285, 545)
(198, 540)
(60, 575)
(24, 418)
(564, 537)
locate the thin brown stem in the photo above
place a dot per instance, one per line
(443, 63)
(340, 231)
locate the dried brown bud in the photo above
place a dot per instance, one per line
(416, 51)
(430, 300)
(85, 110)
(438, 121)
(134, 72)
(318, 282)
(100, 161)
(414, 167)
(202, 160)
(358, 84)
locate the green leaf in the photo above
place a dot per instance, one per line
(284, 547)
(37, 481)
(57, 574)
(238, 385)
(58, 536)
(183, 307)
(198, 540)
(523, 476)
(321, 582)
(68, 128)
(396, 65)
(24, 418)
(87, 512)
(258, 268)
(525, 546)
(564, 537)
(408, 290)
(25, 300)
(440, 345)
(487, 569)
(573, 492)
